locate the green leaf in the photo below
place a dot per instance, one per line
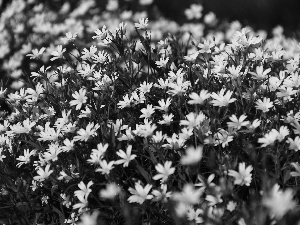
(60, 214)
(144, 173)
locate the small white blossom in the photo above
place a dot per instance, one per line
(164, 171)
(80, 98)
(193, 155)
(58, 53)
(111, 191)
(43, 174)
(142, 24)
(279, 202)
(244, 176)
(126, 157)
(140, 193)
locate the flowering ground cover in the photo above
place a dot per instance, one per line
(124, 120)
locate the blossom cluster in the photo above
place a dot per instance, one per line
(185, 127)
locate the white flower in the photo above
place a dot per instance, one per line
(87, 70)
(118, 126)
(145, 2)
(147, 112)
(49, 133)
(286, 93)
(220, 99)
(296, 125)
(208, 183)
(193, 120)
(126, 157)
(195, 215)
(87, 54)
(80, 98)
(167, 119)
(279, 202)
(145, 130)
(68, 145)
(72, 220)
(179, 87)
(194, 12)
(162, 63)
(34, 95)
(126, 102)
(269, 138)
(181, 209)
(140, 194)
(163, 105)
(244, 176)
(164, 171)
(158, 137)
(89, 219)
(66, 200)
(198, 99)
(282, 133)
(174, 142)
(185, 133)
(52, 153)
(251, 127)
(162, 84)
(189, 195)
(82, 204)
(95, 158)
(237, 123)
(210, 19)
(60, 122)
(4, 126)
(213, 200)
(111, 191)
(105, 167)
(112, 5)
(231, 206)
(193, 155)
(69, 128)
(260, 73)
(191, 57)
(85, 113)
(161, 195)
(264, 105)
(102, 57)
(206, 46)
(58, 53)
(145, 87)
(64, 176)
(26, 158)
(36, 53)
(142, 24)
(19, 129)
(84, 189)
(127, 136)
(97, 154)
(222, 137)
(297, 168)
(85, 134)
(101, 34)
(69, 37)
(43, 174)
(294, 144)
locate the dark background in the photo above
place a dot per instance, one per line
(260, 14)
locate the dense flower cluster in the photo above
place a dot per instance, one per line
(182, 128)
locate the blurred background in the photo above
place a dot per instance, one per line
(52, 19)
(260, 14)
